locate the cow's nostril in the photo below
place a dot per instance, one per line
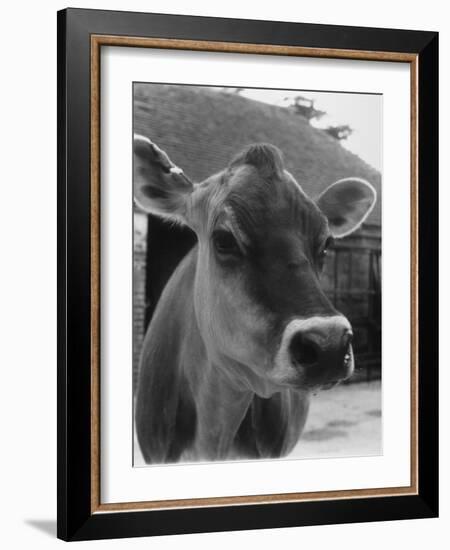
(303, 350)
(348, 337)
(347, 344)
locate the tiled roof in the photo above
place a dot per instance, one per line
(202, 130)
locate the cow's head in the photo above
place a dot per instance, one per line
(260, 309)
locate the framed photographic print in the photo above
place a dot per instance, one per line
(247, 256)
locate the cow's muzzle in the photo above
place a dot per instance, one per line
(319, 349)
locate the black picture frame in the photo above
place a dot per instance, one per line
(76, 518)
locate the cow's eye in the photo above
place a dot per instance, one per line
(224, 243)
(324, 251)
(327, 246)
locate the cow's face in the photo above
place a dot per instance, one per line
(259, 305)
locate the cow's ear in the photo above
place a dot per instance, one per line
(347, 203)
(160, 187)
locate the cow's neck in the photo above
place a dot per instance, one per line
(221, 404)
(221, 410)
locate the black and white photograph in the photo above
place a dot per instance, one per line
(256, 274)
(223, 299)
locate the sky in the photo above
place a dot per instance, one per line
(362, 112)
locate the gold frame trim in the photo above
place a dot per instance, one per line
(97, 41)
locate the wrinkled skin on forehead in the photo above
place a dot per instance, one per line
(243, 302)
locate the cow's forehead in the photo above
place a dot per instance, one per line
(260, 195)
(259, 205)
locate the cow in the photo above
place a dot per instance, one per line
(243, 333)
